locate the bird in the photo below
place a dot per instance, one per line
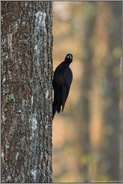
(62, 80)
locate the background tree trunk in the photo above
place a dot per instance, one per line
(88, 23)
(105, 109)
(26, 92)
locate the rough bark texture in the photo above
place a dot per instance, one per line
(26, 92)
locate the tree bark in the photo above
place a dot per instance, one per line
(26, 147)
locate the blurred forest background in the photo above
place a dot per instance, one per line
(87, 135)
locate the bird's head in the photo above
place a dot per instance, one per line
(68, 58)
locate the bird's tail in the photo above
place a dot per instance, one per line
(54, 108)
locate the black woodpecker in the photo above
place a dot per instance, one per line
(62, 80)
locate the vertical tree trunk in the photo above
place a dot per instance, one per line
(88, 23)
(97, 102)
(105, 112)
(26, 92)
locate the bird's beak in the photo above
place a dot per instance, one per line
(70, 57)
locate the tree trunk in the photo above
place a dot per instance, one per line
(105, 112)
(26, 148)
(88, 23)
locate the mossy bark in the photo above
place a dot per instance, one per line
(26, 128)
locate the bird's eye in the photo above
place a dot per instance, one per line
(69, 57)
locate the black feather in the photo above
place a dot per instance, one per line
(62, 80)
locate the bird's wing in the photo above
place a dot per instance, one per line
(66, 86)
(65, 91)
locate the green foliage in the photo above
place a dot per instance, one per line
(86, 159)
(116, 52)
